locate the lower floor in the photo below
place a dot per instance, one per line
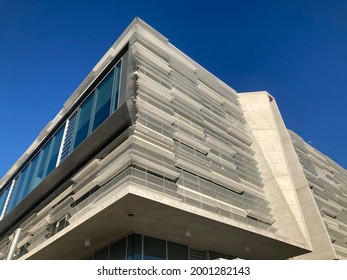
(132, 222)
(142, 247)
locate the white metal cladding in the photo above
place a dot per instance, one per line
(328, 183)
(203, 139)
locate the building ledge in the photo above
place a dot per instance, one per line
(159, 215)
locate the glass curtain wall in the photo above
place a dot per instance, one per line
(141, 247)
(37, 169)
(94, 110)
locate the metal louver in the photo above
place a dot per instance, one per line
(67, 146)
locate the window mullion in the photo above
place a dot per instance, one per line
(92, 113)
(116, 85)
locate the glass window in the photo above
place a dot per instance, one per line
(3, 197)
(154, 248)
(83, 121)
(36, 170)
(116, 86)
(17, 189)
(102, 254)
(103, 100)
(40, 172)
(177, 251)
(118, 250)
(25, 188)
(53, 157)
(134, 247)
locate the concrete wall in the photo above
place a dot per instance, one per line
(291, 199)
(279, 186)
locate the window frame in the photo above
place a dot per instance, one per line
(95, 91)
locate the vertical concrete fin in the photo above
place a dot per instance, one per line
(273, 164)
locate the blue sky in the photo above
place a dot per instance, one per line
(296, 50)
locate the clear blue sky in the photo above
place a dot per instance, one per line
(296, 50)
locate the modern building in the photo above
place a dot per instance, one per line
(153, 157)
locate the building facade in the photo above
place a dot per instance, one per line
(153, 157)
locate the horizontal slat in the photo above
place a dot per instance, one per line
(160, 169)
(86, 170)
(212, 201)
(180, 95)
(142, 105)
(154, 134)
(259, 216)
(219, 145)
(210, 92)
(190, 141)
(141, 50)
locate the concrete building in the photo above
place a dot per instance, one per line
(153, 157)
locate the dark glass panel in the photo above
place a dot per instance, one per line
(118, 250)
(116, 86)
(135, 247)
(27, 182)
(177, 251)
(83, 121)
(154, 248)
(102, 254)
(103, 100)
(40, 172)
(53, 157)
(17, 189)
